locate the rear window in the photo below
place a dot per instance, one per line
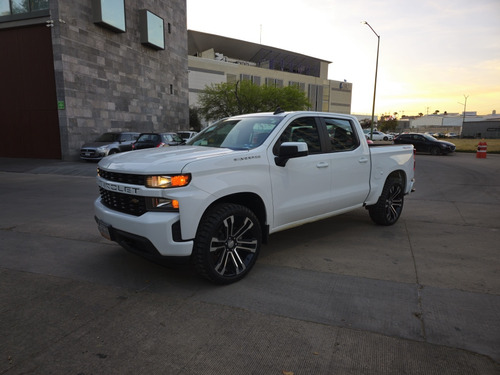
(148, 138)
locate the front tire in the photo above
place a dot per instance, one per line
(435, 151)
(227, 243)
(389, 206)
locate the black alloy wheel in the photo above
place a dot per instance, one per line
(389, 206)
(227, 243)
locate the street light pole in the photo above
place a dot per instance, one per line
(465, 108)
(375, 84)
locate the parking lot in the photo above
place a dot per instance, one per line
(340, 296)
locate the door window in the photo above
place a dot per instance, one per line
(305, 130)
(342, 135)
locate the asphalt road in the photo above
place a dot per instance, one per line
(341, 296)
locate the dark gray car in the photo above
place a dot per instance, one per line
(107, 144)
(425, 143)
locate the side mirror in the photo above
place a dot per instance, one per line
(289, 150)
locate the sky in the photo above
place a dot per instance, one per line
(434, 55)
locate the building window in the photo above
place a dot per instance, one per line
(247, 77)
(300, 85)
(110, 14)
(274, 82)
(26, 8)
(151, 28)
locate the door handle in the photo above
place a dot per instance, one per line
(322, 164)
(363, 160)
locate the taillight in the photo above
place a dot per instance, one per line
(161, 145)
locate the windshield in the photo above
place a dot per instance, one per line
(108, 137)
(430, 137)
(237, 133)
(176, 137)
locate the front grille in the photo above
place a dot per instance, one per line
(129, 204)
(88, 152)
(132, 179)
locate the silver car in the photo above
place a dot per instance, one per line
(107, 144)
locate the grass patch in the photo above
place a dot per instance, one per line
(470, 145)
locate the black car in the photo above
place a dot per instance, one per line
(425, 143)
(108, 144)
(151, 140)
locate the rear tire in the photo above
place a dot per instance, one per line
(227, 243)
(389, 206)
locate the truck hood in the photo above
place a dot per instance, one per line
(170, 159)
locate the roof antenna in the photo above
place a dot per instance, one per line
(278, 110)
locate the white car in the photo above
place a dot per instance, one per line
(186, 135)
(379, 136)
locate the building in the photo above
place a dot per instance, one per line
(437, 123)
(469, 125)
(71, 70)
(482, 127)
(216, 59)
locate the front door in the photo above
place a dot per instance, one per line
(302, 188)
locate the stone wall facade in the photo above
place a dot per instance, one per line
(109, 81)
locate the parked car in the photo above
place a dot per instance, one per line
(108, 144)
(186, 134)
(426, 143)
(379, 136)
(151, 140)
(451, 135)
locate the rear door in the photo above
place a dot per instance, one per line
(349, 160)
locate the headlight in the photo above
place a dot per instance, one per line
(163, 182)
(103, 148)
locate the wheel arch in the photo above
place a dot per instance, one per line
(400, 175)
(253, 202)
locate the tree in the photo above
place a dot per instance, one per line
(388, 123)
(235, 98)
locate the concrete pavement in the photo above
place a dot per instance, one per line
(341, 296)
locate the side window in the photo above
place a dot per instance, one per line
(342, 135)
(303, 130)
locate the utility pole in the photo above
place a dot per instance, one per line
(465, 108)
(375, 84)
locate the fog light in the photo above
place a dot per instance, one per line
(162, 204)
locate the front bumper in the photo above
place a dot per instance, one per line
(152, 234)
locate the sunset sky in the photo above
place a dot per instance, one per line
(432, 53)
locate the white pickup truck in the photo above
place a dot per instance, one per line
(217, 198)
